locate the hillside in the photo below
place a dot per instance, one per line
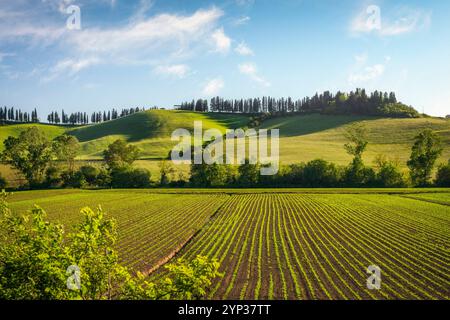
(308, 137)
(150, 130)
(303, 138)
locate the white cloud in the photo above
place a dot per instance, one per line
(177, 70)
(363, 72)
(221, 41)
(251, 71)
(241, 21)
(367, 74)
(244, 50)
(149, 33)
(70, 67)
(213, 87)
(404, 20)
(143, 41)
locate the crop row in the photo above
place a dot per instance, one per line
(292, 246)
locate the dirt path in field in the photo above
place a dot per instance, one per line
(175, 252)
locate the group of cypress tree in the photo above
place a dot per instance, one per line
(82, 118)
(17, 115)
(355, 102)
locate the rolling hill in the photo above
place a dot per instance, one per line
(303, 137)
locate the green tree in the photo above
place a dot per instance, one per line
(356, 135)
(120, 154)
(424, 153)
(90, 174)
(65, 148)
(388, 173)
(128, 177)
(320, 173)
(30, 153)
(165, 172)
(204, 175)
(443, 175)
(249, 174)
(357, 175)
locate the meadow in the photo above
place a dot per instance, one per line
(288, 244)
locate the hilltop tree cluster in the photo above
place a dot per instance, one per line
(355, 102)
(17, 115)
(82, 118)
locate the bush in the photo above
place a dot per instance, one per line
(388, 174)
(73, 179)
(103, 178)
(53, 176)
(249, 174)
(320, 173)
(443, 175)
(130, 178)
(356, 175)
(292, 174)
(214, 175)
(3, 182)
(90, 174)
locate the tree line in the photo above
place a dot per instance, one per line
(17, 115)
(82, 118)
(356, 102)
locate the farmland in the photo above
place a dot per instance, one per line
(292, 244)
(150, 230)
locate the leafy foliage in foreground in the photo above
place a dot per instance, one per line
(37, 261)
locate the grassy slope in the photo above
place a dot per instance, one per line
(315, 136)
(151, 130)
(16, 129)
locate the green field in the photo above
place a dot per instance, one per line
(288, 244)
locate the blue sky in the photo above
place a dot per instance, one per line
(162, 52)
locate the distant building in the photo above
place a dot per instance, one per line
(447, 116)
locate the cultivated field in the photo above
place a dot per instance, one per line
(152, 227)
(292, 244)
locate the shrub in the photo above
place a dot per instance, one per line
(73, 179)
(293, 174)
(356, 174)
(53, 176)
(213, 175)
(249, 174)
(3, 182)
(90, 174)
(388, 173)
(443, 175)
(103, 178)
(130, 178)
(320, 173)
